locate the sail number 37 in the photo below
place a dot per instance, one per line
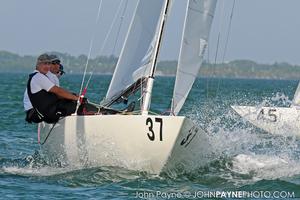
(151, 134)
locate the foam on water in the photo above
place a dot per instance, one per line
(31, 166)
(280, 98)
(250, 154)
(73, 176)
(30, 171)
(265, 166)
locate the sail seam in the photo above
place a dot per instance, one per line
(180, 94)
(188, 73)
(204, 12)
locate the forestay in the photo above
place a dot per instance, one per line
(137, 50)
(198, 20)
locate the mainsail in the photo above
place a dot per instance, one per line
(198, 20)
(138, 48)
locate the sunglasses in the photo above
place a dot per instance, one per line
(60, 73)
(56, 62)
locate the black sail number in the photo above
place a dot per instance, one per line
(151, 134)
(269, 116)
(272, 114)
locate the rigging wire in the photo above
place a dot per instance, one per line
(110, 28)
(219, 35)
(221, 17)
(228, 31)
(226, 42)
(208, 62)
(104, 43)
(91, 45)
(84, 90)
(119, 29)
(112, 25)
(218, 44)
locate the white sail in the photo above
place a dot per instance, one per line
(296, 100)
(199, 16)
(138, 48)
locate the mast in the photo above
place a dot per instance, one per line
(150, 81)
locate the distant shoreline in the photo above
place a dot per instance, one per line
(104, 65)
(173, 76)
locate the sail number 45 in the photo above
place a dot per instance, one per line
(151, 134)
(270, 115)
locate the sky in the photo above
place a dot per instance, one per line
(265, 31)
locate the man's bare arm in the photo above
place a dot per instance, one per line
(63, 93)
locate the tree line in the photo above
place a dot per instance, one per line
(11, 62)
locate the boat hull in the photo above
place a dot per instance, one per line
(148, 143)
(275, 120)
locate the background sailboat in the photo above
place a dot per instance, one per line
(274, 120)
(139, 140)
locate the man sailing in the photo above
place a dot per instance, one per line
(49, 102)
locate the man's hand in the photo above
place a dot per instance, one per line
(83, 100)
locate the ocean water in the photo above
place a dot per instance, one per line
(247, 159)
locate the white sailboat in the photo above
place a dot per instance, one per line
(140, 140)
(274, 120)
